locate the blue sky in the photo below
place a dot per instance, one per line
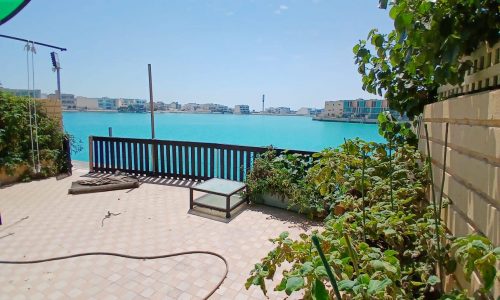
(297, 52)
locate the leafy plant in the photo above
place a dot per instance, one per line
(284, 176)
(425, 49)
(476, 253)
(15, 137)
(378, 253)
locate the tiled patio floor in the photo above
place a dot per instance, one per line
(154, 219)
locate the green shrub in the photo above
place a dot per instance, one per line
(383, 246)
(15, 137)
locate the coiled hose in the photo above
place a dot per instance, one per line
(25, 262)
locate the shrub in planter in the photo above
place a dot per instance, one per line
(15, 138)
(280, 180)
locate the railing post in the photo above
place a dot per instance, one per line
(91, 154)
(154, 160)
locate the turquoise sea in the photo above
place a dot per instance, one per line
(289, 132)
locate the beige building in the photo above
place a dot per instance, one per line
(84, 103)
(334, 109)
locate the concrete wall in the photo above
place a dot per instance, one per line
(472, 177)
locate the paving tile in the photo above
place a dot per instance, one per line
(154, 219)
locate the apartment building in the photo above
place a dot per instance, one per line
(241, 109)
(68, 101)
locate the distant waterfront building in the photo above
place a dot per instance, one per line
(307, 111)
(241, 109)
(160, 106)
(108, 103)
(334, 109)
(358, 108)
(190, 107)
(68, 101)
(173, 106)
(24, 92)
(279, 110)
(283, 110)
(84, 103)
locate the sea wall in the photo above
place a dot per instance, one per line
(472, 173)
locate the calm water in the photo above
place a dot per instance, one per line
(300, 133)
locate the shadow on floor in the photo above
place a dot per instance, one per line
(151, 180)
(296, 220)
(215, 215)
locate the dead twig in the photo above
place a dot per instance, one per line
(109, 215)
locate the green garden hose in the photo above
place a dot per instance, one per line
(24, 262)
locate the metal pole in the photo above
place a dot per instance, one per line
(58, 70)
(152, 109)
(29, 41)
(110, 131)
(151, 104)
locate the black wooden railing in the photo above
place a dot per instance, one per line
(173, 159)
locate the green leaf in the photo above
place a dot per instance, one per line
(488, 273)
(320, 271)
(319, 291)
(306, 268)
(376, 286)
(364, 279)
(395, 10)
(403, 21)
(433, 280)
(284, 235)
(346, 285)
(294, 284)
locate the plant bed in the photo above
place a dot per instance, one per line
(381, 239)
(278, 201)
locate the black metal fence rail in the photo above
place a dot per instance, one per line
(173, 159)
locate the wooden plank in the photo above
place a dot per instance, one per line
(106, 156)
(124, 156)
(247, 162)
(241, 165)
(129, 156)
(162, 160)
(199, 161)
(186, 161)
(112, 155)
(101, 155)
(147, 169)
(136, 167)
(168, 160)
(234, 175)
(118, 155)
(222, 163)
(212, 163)
(95, 145)
(181, 162)
(205, 163)
(175, 171)
(192, 162)
(91, 154)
